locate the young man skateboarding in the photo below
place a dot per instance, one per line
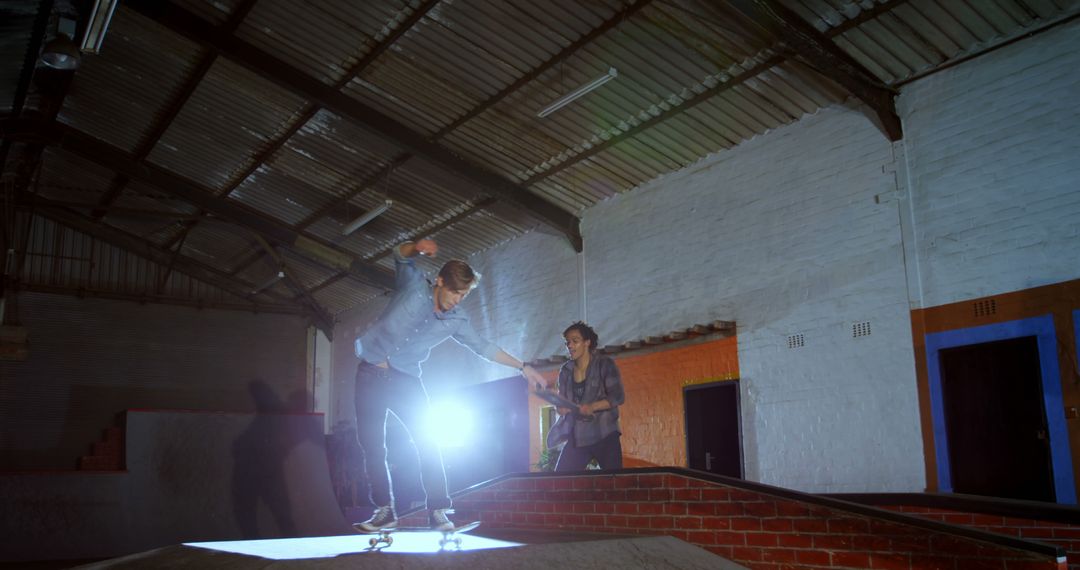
(420, 316)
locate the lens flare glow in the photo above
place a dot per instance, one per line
(450, 423)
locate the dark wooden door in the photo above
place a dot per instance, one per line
(713, 438)
(996, 420)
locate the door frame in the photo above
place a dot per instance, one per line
(1042, 328)
(738, 413)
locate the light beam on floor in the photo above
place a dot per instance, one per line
(331, 546)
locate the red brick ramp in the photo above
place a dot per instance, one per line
(759, 526)
(191, 476)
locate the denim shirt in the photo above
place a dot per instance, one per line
(602, 382)
(409, 326)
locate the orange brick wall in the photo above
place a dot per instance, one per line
(653, 422)
(1058, 300)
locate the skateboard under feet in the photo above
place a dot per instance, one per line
(386, 537)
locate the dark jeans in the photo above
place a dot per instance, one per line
(382, 390)
(607, 451)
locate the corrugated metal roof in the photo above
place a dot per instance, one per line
(695, 77)
(915, 36)
(231, 115)
(118, 96)
(324, 39)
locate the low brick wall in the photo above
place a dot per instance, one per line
(756, 525)
(1058, 533)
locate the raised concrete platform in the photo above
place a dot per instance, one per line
(191, 476)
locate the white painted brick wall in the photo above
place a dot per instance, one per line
(782, 234)
(993, 152)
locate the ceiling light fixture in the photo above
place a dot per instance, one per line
(100, 17)
(62, 53)
(565, 100)
(367, 217)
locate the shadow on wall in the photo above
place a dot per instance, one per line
(259, 454)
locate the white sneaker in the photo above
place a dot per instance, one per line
(440, 521)
(382, 518)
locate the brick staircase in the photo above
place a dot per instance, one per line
(107, 454)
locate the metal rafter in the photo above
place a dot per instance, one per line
(246, 262)
(53, 86)
(327, 282)
(138, 246)
(116, 159)
(323, 319)
(826, 57)
(172, 261)
(33, 48)
(297, 81)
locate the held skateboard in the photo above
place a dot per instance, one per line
(385, 536)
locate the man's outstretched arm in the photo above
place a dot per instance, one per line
(529, 372)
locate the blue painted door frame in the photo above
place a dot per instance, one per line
(1042, 328)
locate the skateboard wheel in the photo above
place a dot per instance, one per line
(389, 540)
(372, 542)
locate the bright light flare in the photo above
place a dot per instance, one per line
(450, 423)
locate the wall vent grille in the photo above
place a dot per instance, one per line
(860, 329)
(795, 341)
(985, 308)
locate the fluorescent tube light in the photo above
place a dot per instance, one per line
(367, 217)
(565, 100)
(98, 23)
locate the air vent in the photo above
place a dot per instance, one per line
(860, 329)
(985, 308)
(795, 341)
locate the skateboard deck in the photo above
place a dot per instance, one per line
(553, 398)
(386, 537)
